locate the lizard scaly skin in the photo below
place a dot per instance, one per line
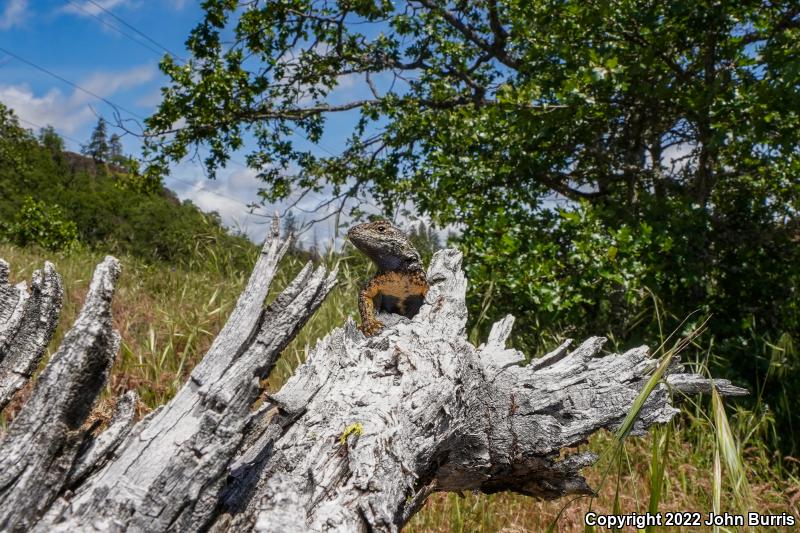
(400, 285)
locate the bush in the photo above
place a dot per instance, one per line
(590, 270)
(41, 224)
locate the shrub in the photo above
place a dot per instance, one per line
(41, 224)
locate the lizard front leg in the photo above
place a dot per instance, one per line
(370, 325)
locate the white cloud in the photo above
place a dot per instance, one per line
(232, 212)
(50, 108)
(678, 157)
(108, 83)
(341, 92)
(68, 112)
(151, 99)
(228, 195)
(14, 14)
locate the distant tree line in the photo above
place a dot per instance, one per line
(102, 148)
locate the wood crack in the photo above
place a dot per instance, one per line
(426, 410)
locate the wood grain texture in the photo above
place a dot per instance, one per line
(357, 439)
(42, 442)
(27, 323)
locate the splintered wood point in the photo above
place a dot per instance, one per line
(363, 432)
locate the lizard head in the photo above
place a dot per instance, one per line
(387, 246)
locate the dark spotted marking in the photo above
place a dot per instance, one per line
(402, 297)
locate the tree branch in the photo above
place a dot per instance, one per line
(495, 49)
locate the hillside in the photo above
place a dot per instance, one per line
(56, 199)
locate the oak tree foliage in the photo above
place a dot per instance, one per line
(614, 165)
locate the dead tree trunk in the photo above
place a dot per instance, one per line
(27, 324)
(357, 439)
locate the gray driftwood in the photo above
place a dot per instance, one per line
(356, 440)
(27, 324)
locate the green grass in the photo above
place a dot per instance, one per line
(715, 456)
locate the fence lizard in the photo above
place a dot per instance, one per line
(400, 285)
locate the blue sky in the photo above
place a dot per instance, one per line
(77, 40)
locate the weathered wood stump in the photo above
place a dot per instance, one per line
(356, 440)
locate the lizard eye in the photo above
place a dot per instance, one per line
(381, 229)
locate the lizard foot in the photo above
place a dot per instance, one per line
(370, 328)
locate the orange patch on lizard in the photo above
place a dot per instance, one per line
(401, 285)
(399, 292)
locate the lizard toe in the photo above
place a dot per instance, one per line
(370, 328)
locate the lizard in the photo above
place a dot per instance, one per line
(400, 285)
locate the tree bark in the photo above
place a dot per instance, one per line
(356, 440)
(27, 324)
(42, 442)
